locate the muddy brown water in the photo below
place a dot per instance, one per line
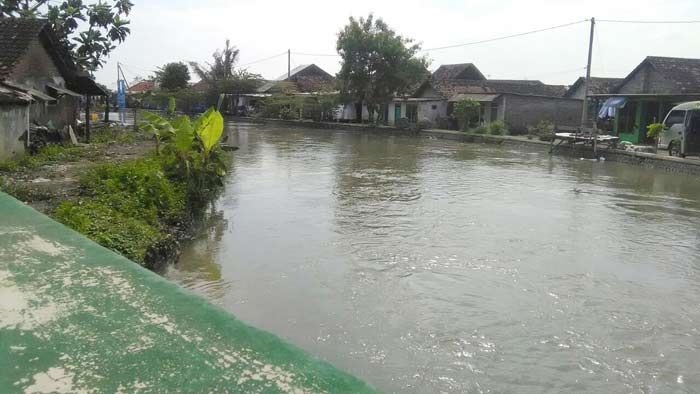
(429, 266)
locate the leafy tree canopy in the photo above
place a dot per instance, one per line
(173, 76)
(376, 63)
(221, 76)
(90, 31)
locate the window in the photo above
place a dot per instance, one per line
(675, 117)
(434, 107)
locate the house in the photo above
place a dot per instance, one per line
(142, 87)
(596, 86)
(518, 103)
(646, 95)
(39, 83)
(308, 78)
(308, 81)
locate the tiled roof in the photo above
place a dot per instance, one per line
(306, 78)
(597, 85)
(449, 89)
(458, 71)
(683, 73)
(15, 36)
(142, 86)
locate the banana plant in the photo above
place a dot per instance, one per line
(209, 128)
(159, 127)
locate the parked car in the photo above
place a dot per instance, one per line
(681, 133)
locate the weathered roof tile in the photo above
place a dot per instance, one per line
(15, 36)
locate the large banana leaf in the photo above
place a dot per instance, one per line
(156, 124)
(209, 128)
(184, 134)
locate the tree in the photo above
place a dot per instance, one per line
(223, 66)
(88, 31)
(173, 76)
(221, 76)
(376, 63)
(466, 111)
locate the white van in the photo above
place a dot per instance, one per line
(681, 133)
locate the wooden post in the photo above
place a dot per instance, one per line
(107, 108)
(87, 118)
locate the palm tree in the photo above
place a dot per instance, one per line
(223, 67)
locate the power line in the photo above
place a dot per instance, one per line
(505, 37)
(262, 60)
(470, 43)
(646, 22)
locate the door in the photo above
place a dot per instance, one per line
(397, 112)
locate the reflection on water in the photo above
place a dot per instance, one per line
(198, 268)
(425, 265)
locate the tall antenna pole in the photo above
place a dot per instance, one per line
(584, 112)
(289, 63)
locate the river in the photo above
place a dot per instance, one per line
(424, 265)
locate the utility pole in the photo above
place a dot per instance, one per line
(289, 63)
(584, 112)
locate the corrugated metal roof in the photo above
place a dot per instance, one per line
(32, 92)
(13, 96)
(62, 90)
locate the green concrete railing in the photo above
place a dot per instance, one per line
(76, 317)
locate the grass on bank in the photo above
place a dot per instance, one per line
(64, 153)
(126, 207)
(134, 206)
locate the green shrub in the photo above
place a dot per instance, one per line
(544, 131)
(497, 128)
(112, 135)
(466, 111)
(128, 235)
(654, 130)
(137, 188)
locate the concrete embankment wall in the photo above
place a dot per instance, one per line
(647, 160)
(76, 317)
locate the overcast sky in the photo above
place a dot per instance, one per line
(179, 30)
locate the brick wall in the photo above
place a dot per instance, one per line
(519, 111)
